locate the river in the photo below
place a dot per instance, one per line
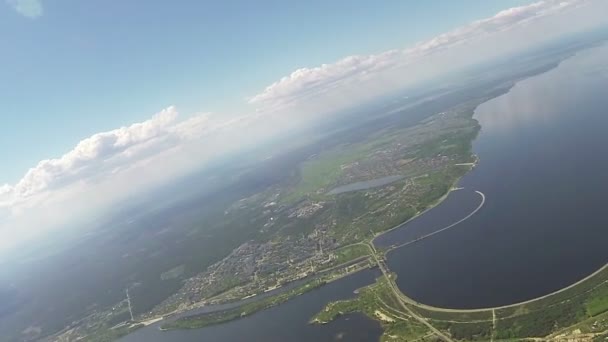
(544, 170)
(286, 322)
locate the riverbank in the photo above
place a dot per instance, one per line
(524, 237)
(601, 273)
(453, 187)
(204, 320)
(377, 302)
(568, 308)
(208, 319)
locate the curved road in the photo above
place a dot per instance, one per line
(406, 299)
(400, 296)
(483, 201)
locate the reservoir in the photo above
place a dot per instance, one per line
(543, 168)
(374, 183)
(286, 322)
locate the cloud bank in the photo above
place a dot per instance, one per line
(94, 155)
(304, 83)
(111, 166)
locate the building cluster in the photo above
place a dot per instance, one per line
(306, 210)
(253, 268)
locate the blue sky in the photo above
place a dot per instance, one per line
(112, 97)
(83, 67)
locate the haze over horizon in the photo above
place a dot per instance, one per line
(106, 112)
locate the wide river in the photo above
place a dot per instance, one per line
(544, 171)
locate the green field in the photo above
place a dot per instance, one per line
(375, 302)
(349, 253)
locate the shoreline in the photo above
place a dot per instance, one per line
(507, 306)
(475, 310)
(453, 187)
(356, 268)
(452, 225)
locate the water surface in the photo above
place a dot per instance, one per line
(544, 170)
(455, 207)
(374, 183)
(286, 322)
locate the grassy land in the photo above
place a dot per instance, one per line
(593, 325)
(349, 253)
(580, 309)
(579, 312)
(566, 309)
(598, 303)
(99, 333)
(453, 316)
(469, 331)
(373, 301)
(109, 335)
(323, 171)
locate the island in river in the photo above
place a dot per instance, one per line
(303, 231)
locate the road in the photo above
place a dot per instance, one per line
(398, 295)
(489, 309)
(483, 201)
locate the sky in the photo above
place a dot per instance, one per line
(96, 65)
(105, 96)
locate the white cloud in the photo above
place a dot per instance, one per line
(100, 153)
(93, 151)
(302, 84)
(28, 8)
(5, 189)
(307, 81)
(111, 166)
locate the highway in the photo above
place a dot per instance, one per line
(398, 295)
(483, 201)
(401, 298)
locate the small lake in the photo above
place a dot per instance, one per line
(286, 322)
(374, 183)
(544, 170)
